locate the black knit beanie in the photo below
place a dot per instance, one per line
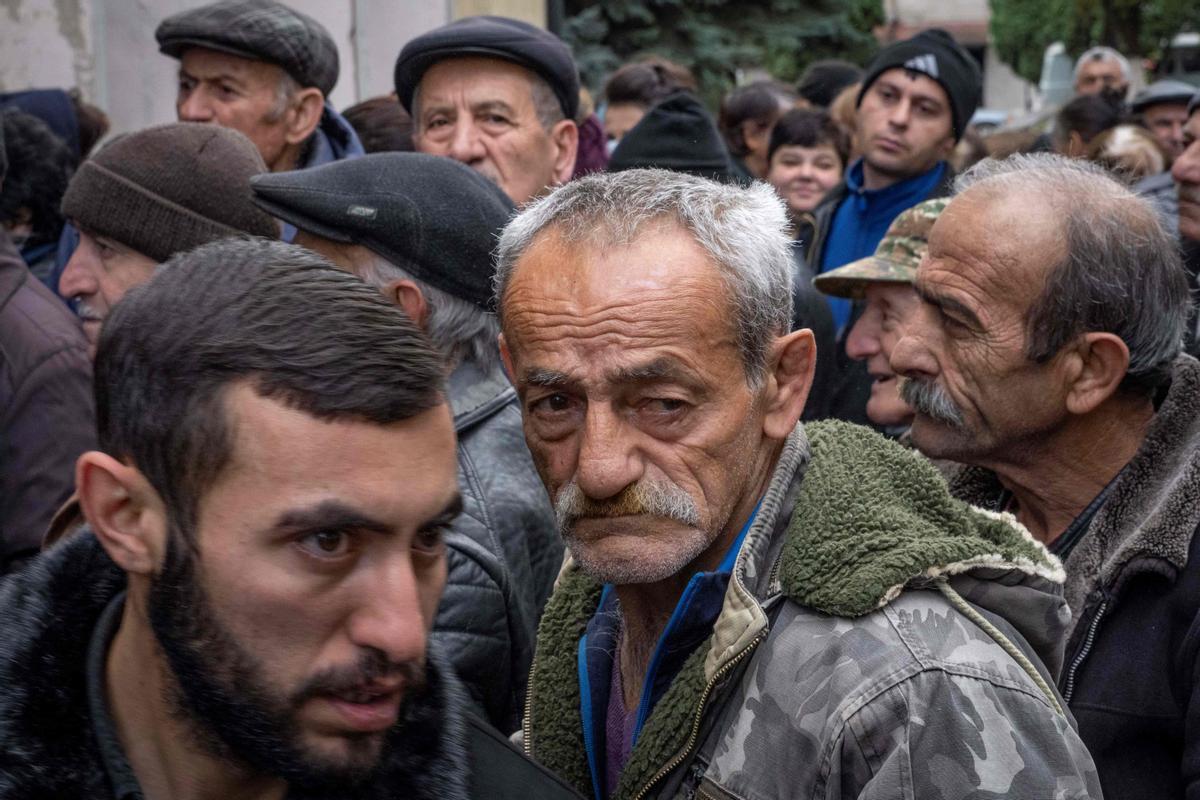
(934, 53)
(677, 134)
(170, 188)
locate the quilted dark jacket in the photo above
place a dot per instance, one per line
(47, 416)
(504, 550)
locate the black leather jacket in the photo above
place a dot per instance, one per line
(504, 551)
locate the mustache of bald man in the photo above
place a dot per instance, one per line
(931, 400)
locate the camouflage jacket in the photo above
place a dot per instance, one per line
(878, 639)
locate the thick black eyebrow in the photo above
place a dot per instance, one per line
(329, 515)
(448, 514)
(944, 303)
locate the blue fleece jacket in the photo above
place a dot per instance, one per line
(863, 218)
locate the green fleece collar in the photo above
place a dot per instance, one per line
(873, 517)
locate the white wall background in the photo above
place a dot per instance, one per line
(107, 47)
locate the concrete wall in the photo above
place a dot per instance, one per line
(107, 47)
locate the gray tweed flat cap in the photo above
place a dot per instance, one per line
(496, 37)
(1166, 91)
(431, 216)
(263, 30)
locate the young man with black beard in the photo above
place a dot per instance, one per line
(246, 614)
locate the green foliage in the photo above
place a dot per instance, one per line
(1022, 29)
(717, 39)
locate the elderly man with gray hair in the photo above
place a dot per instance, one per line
(752, 608)
(1047, 356)
(1102, 69)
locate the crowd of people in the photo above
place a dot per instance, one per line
(490, 439)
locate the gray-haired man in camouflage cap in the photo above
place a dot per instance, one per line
(883, 282)
(263, 69)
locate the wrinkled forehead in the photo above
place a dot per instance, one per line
(995, 242)
(478, 79)
(203, 64)
(624, 280)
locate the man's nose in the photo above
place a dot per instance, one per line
(77, 277)
(863, 340)
(467, 143)
(195, 107)
(607, 462)
(390, 618)
(901, 113)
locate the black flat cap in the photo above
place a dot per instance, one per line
(431, 216)
(259, 29)
(496, 37)
(1159, 92)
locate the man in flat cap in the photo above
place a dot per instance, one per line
(266, 70)
(1162, 108)
(883, 284)
(147, 196)
(421, 229)
(497, 94)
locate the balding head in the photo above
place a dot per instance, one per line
(1110, 266)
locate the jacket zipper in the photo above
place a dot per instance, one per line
(1083, 651)
(526, 721)
(696, 720)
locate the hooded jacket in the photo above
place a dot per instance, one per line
(48, 750)
(1133, 581)
(503, 551)
(877, 639)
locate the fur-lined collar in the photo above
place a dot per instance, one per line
(1153, 508)
(47, 749)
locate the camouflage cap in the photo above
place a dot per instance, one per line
(895, 259)
(263, 30)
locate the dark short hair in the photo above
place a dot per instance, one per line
(806, 127)
(758, 102)
(40, 166)
(382, 125)
(647, 82)
(1089, 115)
(275, 316)
(93, 122)
(824, 80)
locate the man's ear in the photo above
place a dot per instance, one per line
(507, 360)
(304, 114)
(565, 136)
(124, 511)
(1098, 364)
(411, 300)
(792, 361)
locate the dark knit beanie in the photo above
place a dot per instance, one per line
(677, 134)
(170, 188)
(934, 53)
(823, 81)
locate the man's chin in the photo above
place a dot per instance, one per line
(627, 558)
